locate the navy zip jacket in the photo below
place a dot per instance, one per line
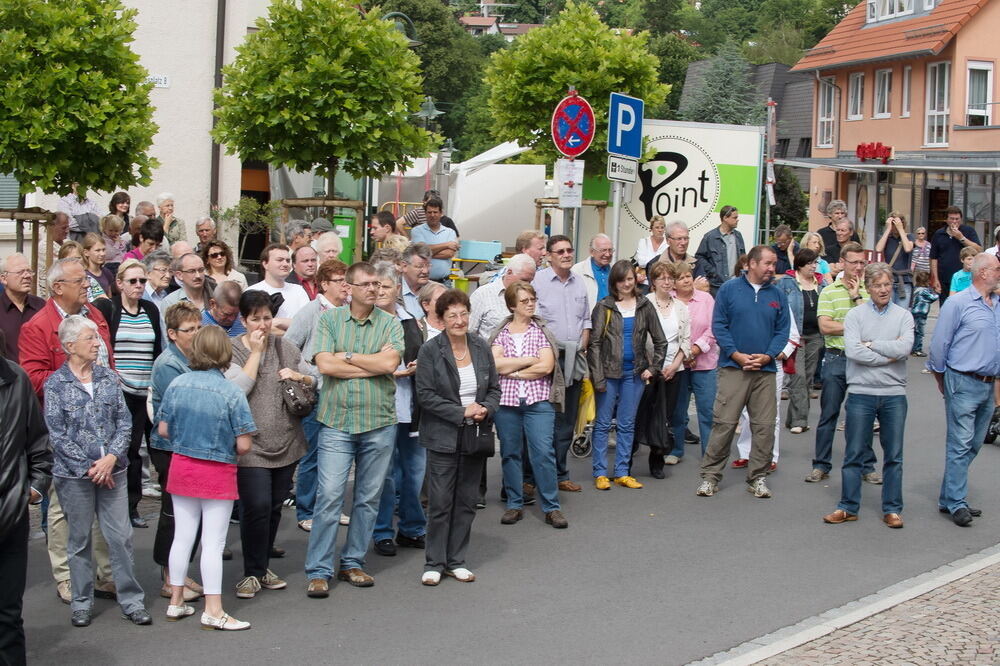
(748, 322)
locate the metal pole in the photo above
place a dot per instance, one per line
(616, 198)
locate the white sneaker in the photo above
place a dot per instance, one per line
(431, 578)
(306, 525)
(461, 574)
(758, 488)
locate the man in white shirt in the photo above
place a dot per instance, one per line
(443, 241)
(276, 263)
(488, 305)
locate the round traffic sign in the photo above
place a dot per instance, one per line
(573, 125)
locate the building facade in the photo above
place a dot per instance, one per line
(905, 114)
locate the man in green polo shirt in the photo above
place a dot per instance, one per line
(357, 348)
(835, 302)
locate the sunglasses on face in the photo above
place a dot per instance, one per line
(136, 280)
(216, 255)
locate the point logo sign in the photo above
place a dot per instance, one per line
(681, 182)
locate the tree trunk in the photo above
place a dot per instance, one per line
(331, 172)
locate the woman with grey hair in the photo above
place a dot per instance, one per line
(427, 296)
(158, 275)
(89, 425)
(173, 227)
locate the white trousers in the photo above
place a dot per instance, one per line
(743, 442)
(213, 514)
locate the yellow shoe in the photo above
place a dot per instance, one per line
(602, 483)
(627, 481)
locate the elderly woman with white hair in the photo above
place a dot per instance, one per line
(173, 227)
(89, 425)
(328, 245)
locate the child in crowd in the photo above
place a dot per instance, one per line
(963, 278)
(111, 230)
(923, 296)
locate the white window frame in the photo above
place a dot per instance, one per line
(928, 5)
(980, 65)
(934, 117)
(826, 112)
(907, 88)
(856, 96)
(872, 12)
(878, 10)
(882, 97)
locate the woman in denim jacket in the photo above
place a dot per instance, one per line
(208, 421)
(802, 286)
(89, 426)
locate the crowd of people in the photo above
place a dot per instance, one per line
(250, 397)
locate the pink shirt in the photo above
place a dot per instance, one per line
(134, 254)
(532, 390)
(700, 308)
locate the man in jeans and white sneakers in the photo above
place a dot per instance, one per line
(751, 324)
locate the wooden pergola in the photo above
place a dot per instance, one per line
(552, 202)
(357, 206)
(38, 218)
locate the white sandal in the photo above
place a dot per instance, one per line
(175, 613)
(224, 623)
(461, 574)
(431, 578)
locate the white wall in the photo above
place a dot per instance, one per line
(496, 202)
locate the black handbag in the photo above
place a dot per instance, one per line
(298, 398)
(477, 439)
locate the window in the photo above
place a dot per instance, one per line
(936, 119)
(885, 9)
(856, 96)
(825, 119)
(907, 77)
(805, 147)
(872, 11)
(781, 150)
(883, 93)
(978, 108)
(928, 4)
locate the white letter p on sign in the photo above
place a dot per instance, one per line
(624, 111)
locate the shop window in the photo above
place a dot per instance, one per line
(938, 109)
(978, 107)
(825, 118)
(907, 78)
(883, 93)
(856, 96)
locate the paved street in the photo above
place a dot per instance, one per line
(653, 575)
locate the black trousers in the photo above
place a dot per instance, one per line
(165, 525)
(13, 572)
(141, 427)
(262, 490)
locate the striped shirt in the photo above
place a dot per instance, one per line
(134, 352)
(531, 343)
(835, 303)
(363, 404)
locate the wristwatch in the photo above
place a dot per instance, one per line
(857, 298)
(348, 356)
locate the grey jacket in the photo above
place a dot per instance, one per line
(441, 411)
(606, 351)
(557, 392)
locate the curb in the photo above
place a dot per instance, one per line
(786, 638)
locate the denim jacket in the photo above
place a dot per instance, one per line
(84, 429)
(789, 285)
(205, 414)
(168, 366)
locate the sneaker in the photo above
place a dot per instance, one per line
(759, 488)
(841, 426)
(430, 578)
(925, 371)
(248, 588)
(627, 482)
(461, 574)
(706, 489)
(873, 478)
(797, 430)
(411, 542)
(601, 483)
(740, 463)
(385, 548)
(690, 438)
(817, 475)
(480, 505)
(270, 581)
(151, 492)
(671, 460)
(306, 525)
(919, 353)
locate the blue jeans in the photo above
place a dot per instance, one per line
(902, 295)
(703, 384)
(862, 410)
(402, 487)
(625, 394)
(832, 397)
(968, 408)
(305, 482)
(919, 323)
(371, 452)
(532, 423)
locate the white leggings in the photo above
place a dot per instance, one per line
(743, 442)
(213, 514)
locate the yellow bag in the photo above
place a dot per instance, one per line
(588, 406)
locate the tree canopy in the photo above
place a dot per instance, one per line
(320, 84)
(726, 93)
(527, 80)
(74, 102)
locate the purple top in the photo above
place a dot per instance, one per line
(562, 305)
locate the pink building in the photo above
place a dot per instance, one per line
(906, 114)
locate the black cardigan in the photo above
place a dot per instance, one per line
(111, 308)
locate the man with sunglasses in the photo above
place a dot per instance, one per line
(17, 303)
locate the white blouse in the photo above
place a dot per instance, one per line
(645, 251)
(467, 385)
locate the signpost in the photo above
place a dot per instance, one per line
(624, 150)
(573, 128)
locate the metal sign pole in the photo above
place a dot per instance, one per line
(616, 198)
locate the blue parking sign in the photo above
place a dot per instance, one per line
(625, 126)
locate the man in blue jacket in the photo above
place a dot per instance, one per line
(751, 325)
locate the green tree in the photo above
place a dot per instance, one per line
(726, 93)
(526, 11)
(782, 43)
(660, 17)
(675, 52)
(74, 105)
(790, 207)
(321, 85)
(527, 80)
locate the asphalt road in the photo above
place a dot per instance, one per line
(652, 575)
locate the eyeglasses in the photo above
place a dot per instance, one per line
(193, 271)
(216, 255)
(679, 237)
(607, 250)
(189, 329)
(21, 273)
(565, 250)
(527, 301)
(136, 280)
(76, 281)
(456, 316)
(367, 286)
